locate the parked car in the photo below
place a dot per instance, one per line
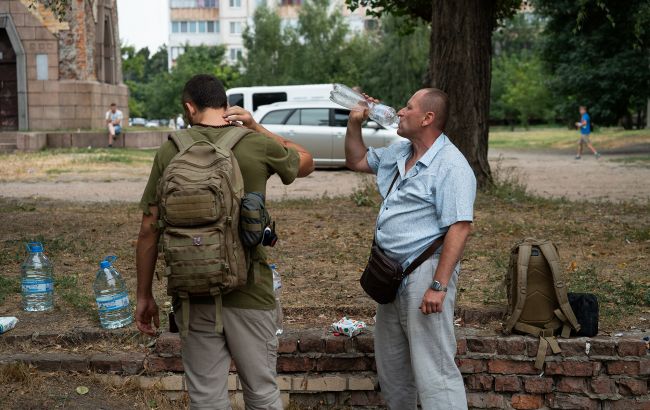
(320, 127)
(152, 124)
(137, 121)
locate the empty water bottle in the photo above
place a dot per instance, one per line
(111, 296)
(347, 97)
(37, 283)
(277, 289)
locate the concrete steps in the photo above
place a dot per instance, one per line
(8, 143)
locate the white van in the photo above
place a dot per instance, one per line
(252, 97)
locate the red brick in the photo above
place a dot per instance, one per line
(570, 401)
(336, 344)
(364, 343)
(365, 399)
(105, 363)
(644, 366)
(527, 401)
(572, 347)
(75, 363)
(341, 364)
(625, 368)
(480, 382)
(310, 343)
(571, 385)
(49, 362)
(292, 364)
(511, 346)
(461, 347)
(156, 364)
(604, 347)
(471, 365)
(168, 344)
(538, 384)
(632, 348)
(532, 345)
(485, 401)
(632, 387)
(287, 344)
(603, 385)
(572, 368)
(133, 363)
(507, 383)
(477, 344)
(629, 404)
(511, 367)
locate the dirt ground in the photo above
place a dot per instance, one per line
(548, 174)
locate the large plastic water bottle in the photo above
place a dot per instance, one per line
(347, 97)
(37, 283)
(111, 296)
(277, 289)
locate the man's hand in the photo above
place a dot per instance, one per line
(432, 301)
(237, 113)
(146, 312)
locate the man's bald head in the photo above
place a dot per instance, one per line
(437, 101)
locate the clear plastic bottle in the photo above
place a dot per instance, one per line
(37, 282)
(277, 289)
(348, 98)
(111, 296)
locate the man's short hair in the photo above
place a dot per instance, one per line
(113, 105)
(437, 101)
(205, 91)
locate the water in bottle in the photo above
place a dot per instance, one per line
(111, 296)
(277, 288)
(348, 98)
(37, 283)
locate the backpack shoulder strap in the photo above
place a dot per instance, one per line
(182, 139)
(553, 259)
(232, 137)
(523, 259)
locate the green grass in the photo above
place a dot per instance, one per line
(8, 286)
(554, 138)
(69, 289)
(636, 160)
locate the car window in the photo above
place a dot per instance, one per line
(294, 119)
(275, 117)
(341, 118)
(236, 99)
(315, 116)
(267, 98)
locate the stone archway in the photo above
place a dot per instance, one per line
(13, 90)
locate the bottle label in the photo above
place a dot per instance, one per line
(114, 302)
(37, 286)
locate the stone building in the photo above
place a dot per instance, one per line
(58, 75)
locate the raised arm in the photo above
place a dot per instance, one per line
(355, 150)
(236, 113)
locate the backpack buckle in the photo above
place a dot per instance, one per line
(196, 241)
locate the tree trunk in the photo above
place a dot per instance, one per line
(647, 116)
(460, 65)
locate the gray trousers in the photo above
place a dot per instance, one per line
(415, 352)
(249, 338)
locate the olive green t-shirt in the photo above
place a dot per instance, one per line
(259, 157)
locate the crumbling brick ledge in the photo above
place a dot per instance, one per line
(317, 369)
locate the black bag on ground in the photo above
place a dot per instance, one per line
(585, 307)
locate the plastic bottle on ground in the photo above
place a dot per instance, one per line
(37, 282)
(111, 296)
(277, 289)
(348, 98)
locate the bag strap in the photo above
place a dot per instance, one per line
(523, 259)
(390, 188)
(182, 139)
(553, 259)
(425, 255)
(232, 137)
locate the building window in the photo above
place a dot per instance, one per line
(193, 4)
(290, 2)
(235, 54)
(41, 67)
(176, 52)
(202, 26)
(235, 3)
(191, 27)
(213, 26)
(183, 26)
(176, 26)
(370, 25)
(235, 27)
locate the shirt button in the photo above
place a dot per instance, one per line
(386, 208)
(379, 228)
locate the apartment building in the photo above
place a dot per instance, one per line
(214, 22)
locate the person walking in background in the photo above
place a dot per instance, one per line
(114, 123)
(180, 123)
(429, 190)
(584, 125)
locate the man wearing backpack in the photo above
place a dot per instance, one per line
(428, 189)
(238, 324)
(584, 125)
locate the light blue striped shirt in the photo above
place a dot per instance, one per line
(438, 191)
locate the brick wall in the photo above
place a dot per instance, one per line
(318, 369)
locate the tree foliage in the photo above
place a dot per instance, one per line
(597, 52)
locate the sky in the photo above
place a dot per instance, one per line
(143, 23)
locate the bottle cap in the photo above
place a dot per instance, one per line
(34, 247)
(107, 261)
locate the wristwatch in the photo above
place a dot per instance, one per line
(437, 286)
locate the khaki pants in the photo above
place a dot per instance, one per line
(415, 352)
(249, 338)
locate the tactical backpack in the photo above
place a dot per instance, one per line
(537, 296)
(199, 197)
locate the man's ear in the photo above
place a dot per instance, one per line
(191, 109)
(429, 119)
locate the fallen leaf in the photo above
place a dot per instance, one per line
(81, 390)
